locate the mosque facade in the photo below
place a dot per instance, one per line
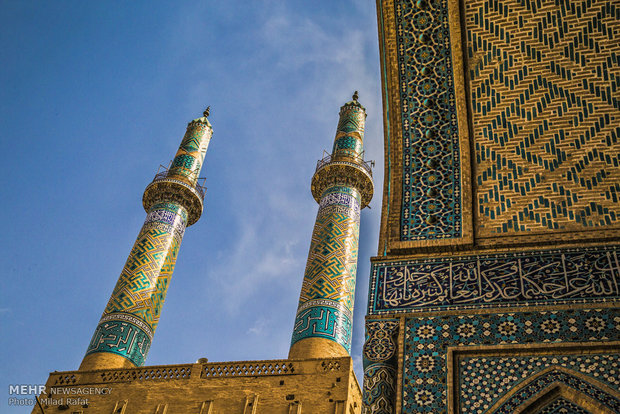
(495, 286)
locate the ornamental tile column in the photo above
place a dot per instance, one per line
(173, 201)
(342, 185)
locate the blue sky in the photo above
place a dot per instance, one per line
(95, 95)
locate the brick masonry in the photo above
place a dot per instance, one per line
(325, 385)
(544, 87)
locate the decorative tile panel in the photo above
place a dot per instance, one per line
(428, 339)
(326, 301)
(496, 280)
(545, 93)
(188, 160)
(379, 389)
(380, 344)
(124, 335)
(431, 186)
(379, 357)
(561, 406)
(142, 285)
(572, 382)
(498, 375)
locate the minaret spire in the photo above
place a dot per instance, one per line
(173, 201)
(342, 185)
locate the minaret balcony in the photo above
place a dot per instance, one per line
(200, 188)
(357, 160)
(343, 170)
(182, 190)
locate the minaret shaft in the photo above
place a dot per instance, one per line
(173, 202)
(342, 186)
(326, 300)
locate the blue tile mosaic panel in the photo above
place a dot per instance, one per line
(379, 357)
(496, 280)
(431, 190)
(548, 380)
(561, 406)
(427, 340)
(497, 375)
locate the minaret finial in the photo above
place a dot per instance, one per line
(355, 96)
(206, 112)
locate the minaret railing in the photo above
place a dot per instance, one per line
(366, 165)
(162, 173)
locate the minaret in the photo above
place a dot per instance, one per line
(172, 201)
(342, 185)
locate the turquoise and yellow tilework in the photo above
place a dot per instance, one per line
(188, 160)
(133, 311)
(326, 300)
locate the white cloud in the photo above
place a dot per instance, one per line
(258, 328)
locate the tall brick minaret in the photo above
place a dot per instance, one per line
(172, 201)
(342, 185)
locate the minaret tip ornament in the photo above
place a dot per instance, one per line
(206, 112)
(355, 96)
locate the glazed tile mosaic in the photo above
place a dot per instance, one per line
(497, 375)
(431, 189)
(326, 300)
(427, 340)
(188, 160)
(379, 357)
(548, 380)
(378, 397)
(496, 280)
(122, 334)
(544, 92)
(131, 316)
(561, 406)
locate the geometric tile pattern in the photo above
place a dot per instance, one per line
(350, 132)
(134, 307)
(572, 382)
(496, 280)
(431, 189)
(427, 340)
(348, 144)
(142, 285)
(561, 406)
(544, 89)
(326, 299)
(497, 375)
(191, 153)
